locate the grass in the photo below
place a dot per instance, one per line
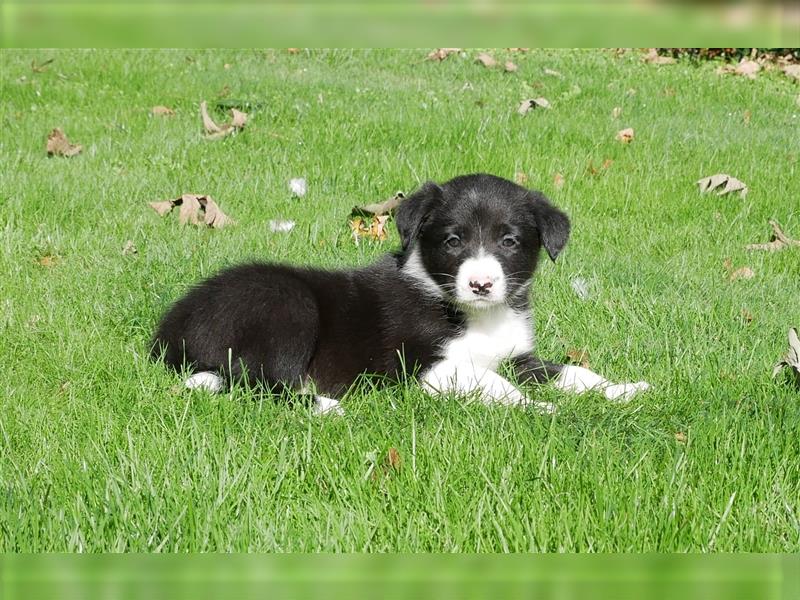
(101, 450)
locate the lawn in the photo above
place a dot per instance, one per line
(102, 450)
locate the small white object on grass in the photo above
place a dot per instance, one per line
(581, 288)
(281, 226)
(205, 380)
(298, 186)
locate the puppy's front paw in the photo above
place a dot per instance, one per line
(205, 380)
(327, 406)
(622, 392)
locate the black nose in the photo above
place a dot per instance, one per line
(480, 289)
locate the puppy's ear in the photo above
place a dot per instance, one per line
(553, 224)
(414, 210)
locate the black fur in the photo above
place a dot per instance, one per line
(282, 326)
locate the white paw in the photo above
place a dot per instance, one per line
(622, 392)
(327, 406)
(205, 380)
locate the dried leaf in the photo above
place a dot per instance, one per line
(293, 50)
(746, 68)
(162, 111)
(738, 273)
(379, 208)
(281, 226)
(441, 53)
(723, 184)
(578, 356)
(625, 135)
(510, 67)
(214, 131)
(195, 209)
(778, 241)
(129, 248)
(531, 103)
(680, 437)
(374, 229)
(49, 260)
(58, 144)
(791, 360)
(746, 117)
(792, 71)
(654, 58)
(486, 59)
(393, 459)
(41, 67)
(521, 178)
(298, 186)
(616, 112)
(747, 316)
(558, 181)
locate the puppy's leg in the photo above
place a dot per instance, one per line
(464, 378)
(327, 406)
(205, 380)
(573, 378)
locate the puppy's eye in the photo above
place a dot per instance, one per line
(453, 241)
(509, 242)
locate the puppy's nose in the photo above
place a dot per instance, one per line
(480, 286)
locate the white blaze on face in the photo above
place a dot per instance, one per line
(480, 280)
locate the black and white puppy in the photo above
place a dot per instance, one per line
(449, 307)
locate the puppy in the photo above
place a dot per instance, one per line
(449, 308)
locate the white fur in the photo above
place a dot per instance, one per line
(414, 269)
(482, 268)
(581, 380)
(327, 406)
(205, 380)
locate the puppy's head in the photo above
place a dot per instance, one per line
(475, 240)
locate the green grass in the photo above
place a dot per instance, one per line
(101, 450)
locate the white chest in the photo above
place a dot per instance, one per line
(490, 337)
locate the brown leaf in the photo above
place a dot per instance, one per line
(49, 260)
(393, 459)
(738, 273)
(558, 181)
(379, 208)
(214, 131)
(792, 71)
(195, 209)
(162, 111)
(510, 67)
(746, 68)
(680, 437)
(441, 53)
(293, 50)
(616, 112)
(486, 59)
(746, 117)
(521, 178)
(778, 241)
(625, 135)
(531, 103)
(374, 229)
(791, 360)
(41, 67)
(58, 144)
(129, 248)
(723, 184)
(597, 170)
(747, 316)
(654, 58)
(578, 356)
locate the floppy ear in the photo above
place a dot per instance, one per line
(553, 224)
(414, 210)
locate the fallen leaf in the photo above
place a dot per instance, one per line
(616, 112)
(791, 360)
(379, 208)
(58, 144)
(746, 117)
(393, 459)
(792, 71)
(738, 273)
(214, 131)
(298, 186)
(531, 103)
(654, 58)
(607, 163)
(747, 316)
(723, 184)
(521, 178)
(41, 67)
(625, 135)
(374, 229)
(49, 260)
(487, 60)
(578, 356)
(746, 68)
(226, 66)
(597, 170)
(510, 67)
(553, 73)
(162, 111)
(129, 248)
(442, 53)
(778, 240)
(195, 209)
(668, 92)
(281, 226)
(293, 50)
(558, 181)
(680, 437)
